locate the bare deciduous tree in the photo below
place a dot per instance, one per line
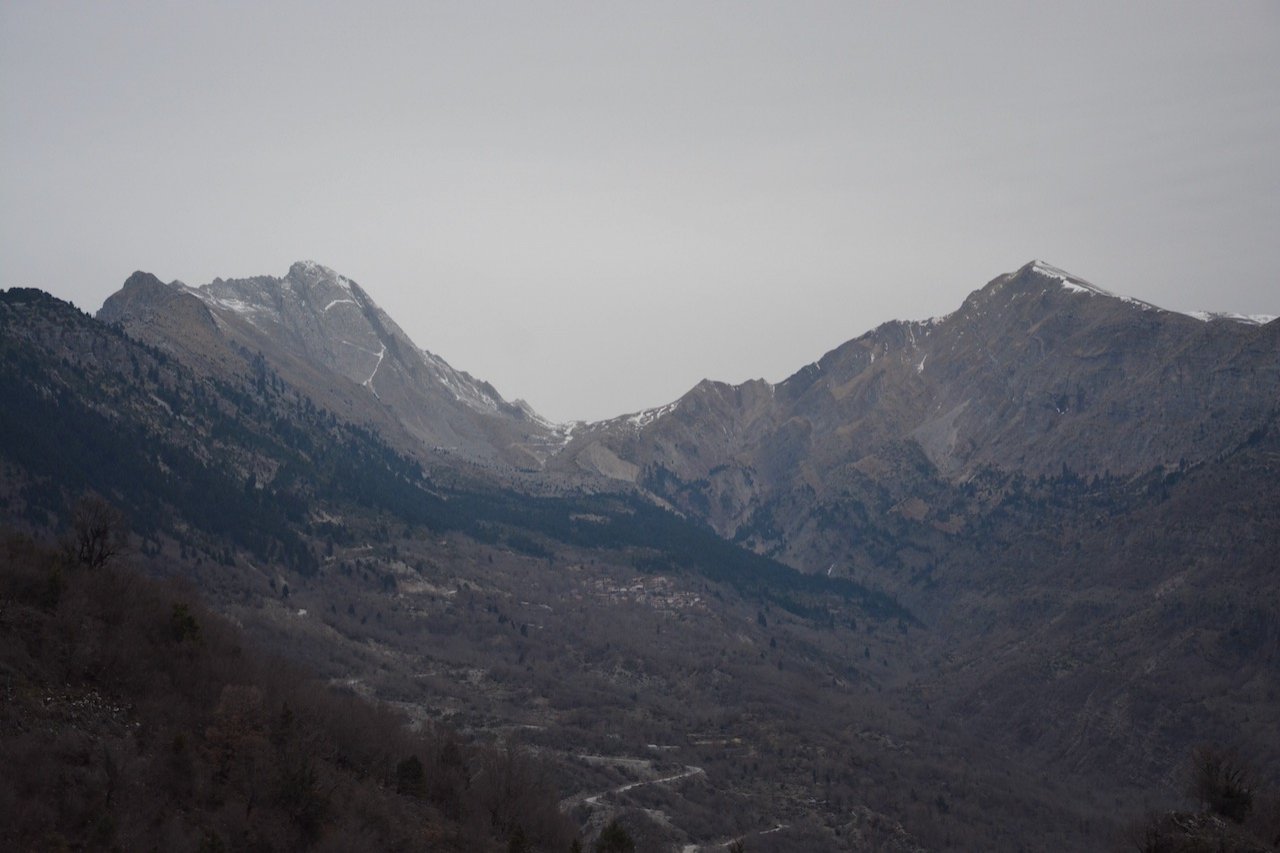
(98, 532)
(1223, 782)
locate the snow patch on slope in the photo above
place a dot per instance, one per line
(1075, 284)
(464, 389)
(256, 313)
(640, 420)
(1069, 282)
(237, 306)
(1248, 319)
(368, 383)
(314, 273)
(379, 355)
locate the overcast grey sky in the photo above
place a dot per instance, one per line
(595, 205)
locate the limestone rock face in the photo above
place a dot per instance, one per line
(1037, 373)
(323, 333)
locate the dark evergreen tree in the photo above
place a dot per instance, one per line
(614, 839)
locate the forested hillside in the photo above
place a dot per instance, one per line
(136, 719)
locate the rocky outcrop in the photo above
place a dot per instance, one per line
(1037, 373)
(321, 332)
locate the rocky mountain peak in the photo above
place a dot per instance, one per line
(309, 268)
(144, 298)
(322, 332)
(142, 280)
(1038, 370)
(317, 277)
(1066, 279)
(307, 289)
(1041, 278)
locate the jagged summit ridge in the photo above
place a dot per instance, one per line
(1071, 282)
(266, 299)
(335, 320)
(1038, 270)
(1079, 285)
(315, 322)
(311, 268)
(1038, 369)
(1075, 284)
(1034, 353)
(141, 279)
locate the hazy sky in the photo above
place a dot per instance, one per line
(595, 205)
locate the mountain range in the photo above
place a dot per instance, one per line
(1028, 374)
(977, 581)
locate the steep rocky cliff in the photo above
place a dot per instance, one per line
(323, 333)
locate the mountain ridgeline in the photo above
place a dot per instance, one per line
(863, 608)
(258, 467)
(1038, 373)
(324, 335)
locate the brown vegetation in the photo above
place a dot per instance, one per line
(133, 718)
(98, 532)
(1234, 816)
